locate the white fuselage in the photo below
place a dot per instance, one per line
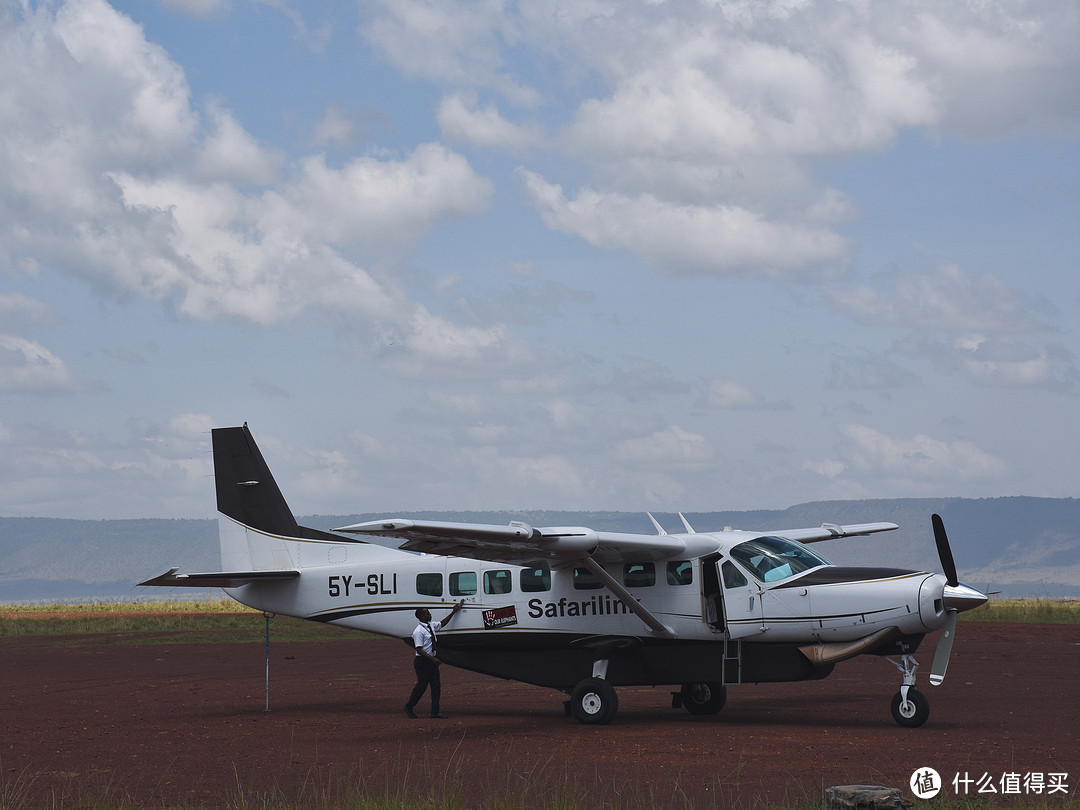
(376, 589)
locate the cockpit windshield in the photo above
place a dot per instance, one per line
(772, 559)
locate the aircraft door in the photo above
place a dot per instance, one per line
(732, 601)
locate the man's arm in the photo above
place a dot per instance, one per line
(453, 613)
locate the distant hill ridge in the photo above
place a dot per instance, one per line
(1021, 546)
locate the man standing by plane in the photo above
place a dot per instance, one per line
(425, 663)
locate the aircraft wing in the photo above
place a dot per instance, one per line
(519, 543)
(217, 579)
(830, 531)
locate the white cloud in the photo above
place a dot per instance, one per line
(111, 174)
(153, 469)
(946, 299)
(460, 42)
(705, 118)
(719, 239)
(16, 308)
(115, 64)
(547, 472)
(374, 205)
(344, 128)
(28, 367)
(230, 153)
(730, 394)
(424, 345)
(460, 120)
(335, 127)
(1006, 363)
(202, 9)
(998, 68)
(450, 40)
(729, 98)
(869, 371)
(982, 318)
(564, 415)
(918, 457)
(672, 446)
(189, 429)
(828, 468)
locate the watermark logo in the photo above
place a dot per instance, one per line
(925, 783)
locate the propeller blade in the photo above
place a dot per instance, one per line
(944, 649)
(948, 565)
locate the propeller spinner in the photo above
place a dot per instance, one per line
(955, 597)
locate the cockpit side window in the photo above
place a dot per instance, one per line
(772, 559)
(733, 577)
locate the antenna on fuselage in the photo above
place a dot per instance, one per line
(686, 523)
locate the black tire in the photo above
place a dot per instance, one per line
(914, 712)
(594, 702)
(703, 698)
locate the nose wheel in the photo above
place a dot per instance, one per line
(910, 708)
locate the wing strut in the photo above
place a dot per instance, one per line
(627, 598)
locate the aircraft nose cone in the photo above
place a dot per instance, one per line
(961, 597)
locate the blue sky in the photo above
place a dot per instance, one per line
(495, 255)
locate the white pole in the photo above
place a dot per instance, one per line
(268, 616)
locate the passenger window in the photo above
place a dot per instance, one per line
(639, 575)
(586, 580)
(429, 584)
(463, 583)
(733, 577)
(534, 580)
(497, 582)
(680, 572)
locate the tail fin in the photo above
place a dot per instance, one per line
(247, 491)
(257, 530)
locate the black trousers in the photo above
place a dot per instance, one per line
(427, 674)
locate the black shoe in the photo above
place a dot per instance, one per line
(410, 713)
(440, 716)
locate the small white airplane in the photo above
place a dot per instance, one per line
(585, 611)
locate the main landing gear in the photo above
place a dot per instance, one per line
(700, 698)
(910, 708)
(593, 701)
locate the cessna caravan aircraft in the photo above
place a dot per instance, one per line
(585, 611)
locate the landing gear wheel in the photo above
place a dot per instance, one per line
(594, 702)
(703, 698)
(913, 712)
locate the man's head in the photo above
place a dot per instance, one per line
(423, 614)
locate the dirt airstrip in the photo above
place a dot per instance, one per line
(85, 720)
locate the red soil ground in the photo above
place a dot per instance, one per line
(86, 720)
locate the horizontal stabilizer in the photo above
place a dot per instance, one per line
(217, 579)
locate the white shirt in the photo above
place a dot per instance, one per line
(424, 636)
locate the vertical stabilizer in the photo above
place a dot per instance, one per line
(247, 492)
